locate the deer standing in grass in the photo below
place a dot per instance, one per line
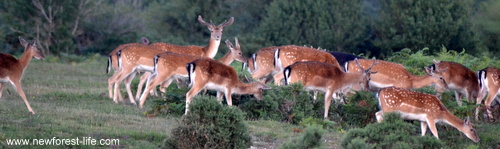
(392, 74)
(287, 55)
(459, 78)
(147, 65)
(261, 64)
(11, 69)
(489, 82)
(169, 66)
(326, 77)
(213, 75)
(425, 108)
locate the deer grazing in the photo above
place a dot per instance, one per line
(208, 51)
(489, 82)
(326, 77)
(169, 66)
(11, 69)
(459, 79)
(261, 64)
(392, 74)
(287, 55)
(425, 108)
(213, 75)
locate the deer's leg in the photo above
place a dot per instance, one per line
(152, 82)
(1, 89)
(128, 82)
(142, 80)
(219, 97)
(121, 75)
(111, 82)
(19, 89)
(423, 127)
(380, 116)
(195, 89)
(229, 100)
(278, 77)
(328, 101)
(458, 97)
(491, 96)
(432, 126)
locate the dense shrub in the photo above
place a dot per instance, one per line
(173, 103)
(358, 112)
(310, 138)
(288, 103)
(393, 132)
(210, 124)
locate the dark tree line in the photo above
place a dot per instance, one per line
(373, 27)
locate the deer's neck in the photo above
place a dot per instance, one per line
(226, 59)
(421, 81)
(351, 78)
(212, 48)
(245, 88)
(452, 120)
(25, 58)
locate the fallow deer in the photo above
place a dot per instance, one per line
(213, 75)
(112, 56)
(261, 64)
(393, 74)
(287, 55)
(208, 51)
(326, 77)
(11, 69)
(489, 82)
(459, 78)
(169, 66)
(425, 108)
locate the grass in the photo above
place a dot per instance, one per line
(71, 102)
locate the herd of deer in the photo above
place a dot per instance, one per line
(316, 69)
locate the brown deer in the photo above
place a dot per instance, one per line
(261, 64)
(169, 66)
(393, 74)
(11, 69)
(213, 75)
(326, 77)
(287, 55)
(112, 56)
(458, 78)
(425, 108)
(489, 82)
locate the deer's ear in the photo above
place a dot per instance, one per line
(23, 42)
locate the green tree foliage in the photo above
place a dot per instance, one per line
(210, 124)
(416, 24)
(488, 24)
(334, 25)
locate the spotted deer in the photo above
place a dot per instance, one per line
(489, 82)
(392, 74)
(459, 79)
(261, 64)
(425, 108)
(326, 77)
(112, 55)
(12, 69)
(287, 55)
(213, 75)
(169, 66)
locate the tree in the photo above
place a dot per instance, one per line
(416, 24)
(488, 24)
(334, 25)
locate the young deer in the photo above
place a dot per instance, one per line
(261, 64)
(489, 82)
(169, 66)
(287, 55)
(213, 75)
(459, 78)
(326, 77)
(11, 69)
(425, 108)
(392, 74)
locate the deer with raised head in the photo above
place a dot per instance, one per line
(287, 55)
(261, 64)
(213, 75)
(326, 78)
(459, 78)
(425, 108)
(489, 82)
(208, 51)
(169, 66)
(11, 69)
(392, 74)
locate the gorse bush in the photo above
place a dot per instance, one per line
(393, 132)
(210, 124)
(310, 138)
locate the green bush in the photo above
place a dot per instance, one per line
(173, 103)
(210, 124)
(310, 138)
(358, 112)
(393, 132)
(288, 103)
